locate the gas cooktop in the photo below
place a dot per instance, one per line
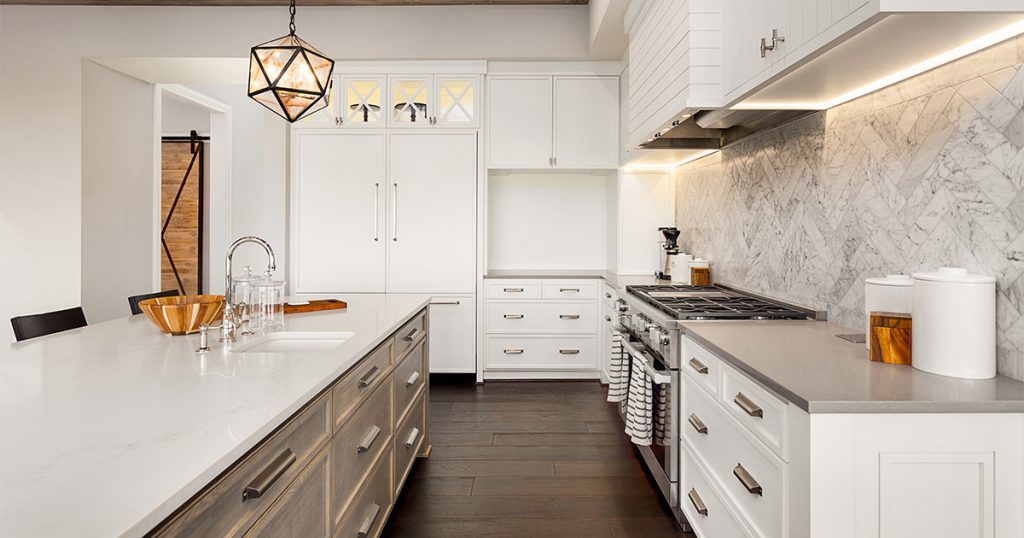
(714, 302)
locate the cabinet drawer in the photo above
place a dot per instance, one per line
(761, 412)
(410, 334)
(541, 317)
(705, 510)
(366, 516)
(409, 437)
(301, 510)
(410, 376)
(569, 289)
(701, 366)
(541, 353)
(359, 382)
(357, 445)
(513, 289)
(228, 508)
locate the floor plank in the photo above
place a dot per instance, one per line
(509, 528)
(566, 486)
(550, 439)
(464, 439)
(513, 452)
(508, 426)
(488, 468)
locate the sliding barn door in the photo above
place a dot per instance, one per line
(181, 237)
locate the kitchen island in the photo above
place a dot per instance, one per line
(109, 429)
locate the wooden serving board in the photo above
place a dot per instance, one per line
(315, 306)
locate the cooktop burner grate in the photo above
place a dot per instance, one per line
(713, 302)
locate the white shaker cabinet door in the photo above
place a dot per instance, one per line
(453, 335)
(519, 122)
(586, 126)
(338, 206)
(432, 221)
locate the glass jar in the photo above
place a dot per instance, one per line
(269, 305)
(243, 296)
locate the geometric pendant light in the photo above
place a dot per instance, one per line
(289, 76)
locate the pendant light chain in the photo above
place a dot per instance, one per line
(291, 12)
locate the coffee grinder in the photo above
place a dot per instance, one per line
(669, 249)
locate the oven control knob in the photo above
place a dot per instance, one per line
(664, 339)
(640, 324)
(622, 305)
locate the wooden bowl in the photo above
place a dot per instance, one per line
(183, 314)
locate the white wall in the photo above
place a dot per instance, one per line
(647, 202)
(117, 196)
(548, 220)
(179, 119)
(41, 52)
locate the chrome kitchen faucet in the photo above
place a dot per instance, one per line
(230, 323)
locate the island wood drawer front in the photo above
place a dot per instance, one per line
(360, 382)
(513, 289)
(410, 376)
(356, 446)
(410, 334)
(701, 366)
(541, 353)
(541, 317)
(300, 510)
(409, 438)
(230, 505)
(569, 289)
(705, 510)
(369, 510)
(762, 413)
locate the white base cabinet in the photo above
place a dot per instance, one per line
(453, 334)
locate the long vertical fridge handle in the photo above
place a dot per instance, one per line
(394, 214)
(376, 211)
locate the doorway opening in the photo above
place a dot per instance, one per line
(183, 189)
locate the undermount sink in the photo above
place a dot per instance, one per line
(284, 342)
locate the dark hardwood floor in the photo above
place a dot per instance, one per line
(528, 459)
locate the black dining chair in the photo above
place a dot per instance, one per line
(133, 301)
(35, 325)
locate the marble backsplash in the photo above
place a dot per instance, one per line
(925, 173)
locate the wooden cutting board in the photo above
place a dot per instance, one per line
(315, 306)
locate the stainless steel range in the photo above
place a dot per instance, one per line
(648, 319)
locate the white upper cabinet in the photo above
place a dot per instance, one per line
(411, 100)
(539, 122)
(457, 104)
(362, 101)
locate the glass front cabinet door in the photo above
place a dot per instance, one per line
(363, 102)
(327, 116)
(456, 101)
(411, 101)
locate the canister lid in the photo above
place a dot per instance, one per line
(891, 280)
(958, 275)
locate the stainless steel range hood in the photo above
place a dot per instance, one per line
(714, 129)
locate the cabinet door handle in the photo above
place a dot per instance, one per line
(569, 290)
(368, 439)
(376, 211)
(697, 502)
(513, 290)
(412, 335)
(412, 379)
(554, 161)
(394, 213)
(569, 351)
(452, 303)
(607, 295)
(513, 316)
(698, 424)
(748, 481)
(371, 517)
(412, 437)
(698, 366)
(269, 475)
(748, 406)
(607, 318)
(367, 379)
(569, 316)
(513, 352)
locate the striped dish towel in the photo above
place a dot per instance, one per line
(661, 414)
(618, 376)
(639, 414)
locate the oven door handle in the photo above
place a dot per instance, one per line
(658, 378)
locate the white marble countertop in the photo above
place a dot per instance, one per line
(807, 364)
(616, 281)
(106, 430)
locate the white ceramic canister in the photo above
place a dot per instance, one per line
(681, 268)
(954, 331)
(892, 293)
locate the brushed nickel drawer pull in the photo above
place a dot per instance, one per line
(413, 435)
(569, 351)
(748, 406)
(748, 481)
(569, 316)
(513, 352)
(269, 475)
(452, 303)
(368, 439)
(367, 379)
(698, 424)
(371, 517)
(568, 290)
(698, 366)
(513, 290)
(607, 295)
(513, 316)
(412, 335)
(698, 503)
(412, 379)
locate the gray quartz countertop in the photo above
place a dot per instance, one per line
(616, 281)
(805, 363)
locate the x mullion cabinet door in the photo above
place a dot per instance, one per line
(457, 101)
(410, 100)
(363, 101)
